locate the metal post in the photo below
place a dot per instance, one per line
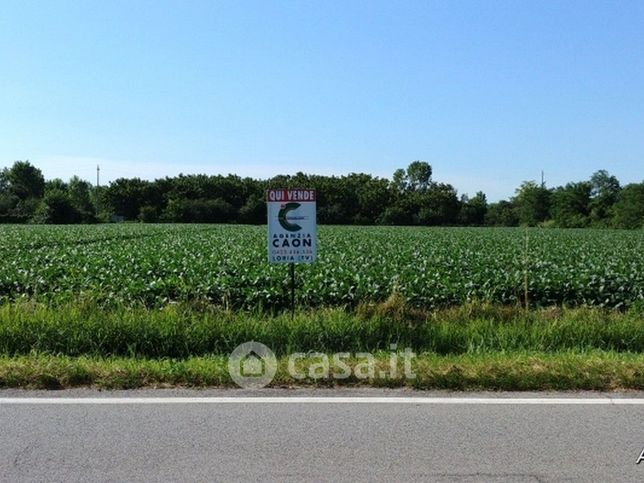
(292, 270)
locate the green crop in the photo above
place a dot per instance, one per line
(154, 265)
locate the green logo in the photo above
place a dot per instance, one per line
(281, 217)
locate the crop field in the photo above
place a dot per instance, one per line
(135, 305)
(155, 265)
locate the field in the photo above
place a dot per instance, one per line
(123, 306)
(153, 265)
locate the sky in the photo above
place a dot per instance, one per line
(489, 93)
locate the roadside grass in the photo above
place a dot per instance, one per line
(471, 347)
(184, 331)
(517, 371)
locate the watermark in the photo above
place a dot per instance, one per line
(253, 365)
(641, 458)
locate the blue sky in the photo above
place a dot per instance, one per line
(489, 93)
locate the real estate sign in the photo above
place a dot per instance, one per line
(292, 231)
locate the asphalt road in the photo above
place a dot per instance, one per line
(299, 441)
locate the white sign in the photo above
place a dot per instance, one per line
(292, 232)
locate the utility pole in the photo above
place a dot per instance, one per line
(543, 179)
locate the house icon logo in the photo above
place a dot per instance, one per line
(252, 365)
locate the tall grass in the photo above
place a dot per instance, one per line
(184, 331)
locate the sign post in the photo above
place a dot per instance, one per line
(292, 229)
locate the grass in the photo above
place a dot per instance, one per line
(184, 331)
(471, 347)
(595, 370)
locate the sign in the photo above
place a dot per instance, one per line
(292, 232)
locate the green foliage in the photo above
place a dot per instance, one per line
(438, 205)
(399, 181)
(503, 213)
(254, 211)
(473, 210)
(570, 207)
(181, 331)
(506, 371)
(156, 265)
(629, 209)
(394, 215)
(126, 196)
(23, 180)
(532, 203)
(605, 193)
(21, 187)
(79, 192)
(410, 198)
(199, 211)
(148, 214)
(56, 208)
(419, 176)
(55, 184)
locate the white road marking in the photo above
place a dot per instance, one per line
(553, 401)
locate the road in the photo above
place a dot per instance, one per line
(135, 438)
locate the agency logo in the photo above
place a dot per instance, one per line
(281, 217)
(252, 365)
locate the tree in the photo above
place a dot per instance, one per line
(418, 200)
(411, 197)
(56, 208)
(570, 205)
(419, 176)
(148, 214)
(24, 180)
(80, 195)
(126, 196)
(604, 192)
(438, 205)
(533, 203)
(473, 210)
(503, 213)
(21, 187)
(394, 215)
(629, 209)
(372, 196)
(199, 211)
(8, 200)
(7, 203)
(399, 181)
(55, 184)
(254, 211)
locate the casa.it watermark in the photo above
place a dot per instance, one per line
(253, 365)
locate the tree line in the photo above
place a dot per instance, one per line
(410, 197)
